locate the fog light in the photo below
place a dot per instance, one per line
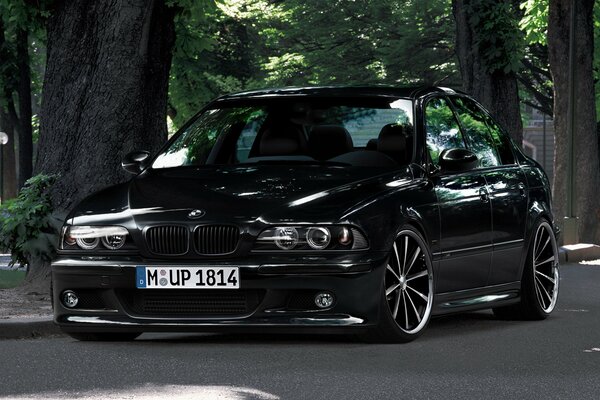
(69, 299)
(324, 300)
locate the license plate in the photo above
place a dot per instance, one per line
(187, 277)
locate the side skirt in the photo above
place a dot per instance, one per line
(477, 299)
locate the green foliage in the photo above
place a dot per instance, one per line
(247, 44)
(535, 21)
(212, 56)
(534, 24)
(26, 229)
(498, 37)
(16, 15)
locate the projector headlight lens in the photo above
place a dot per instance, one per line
(286, 238)
(318, 238)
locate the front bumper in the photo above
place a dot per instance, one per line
(281, 290)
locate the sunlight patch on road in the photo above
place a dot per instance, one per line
(155, 392)
(592, 350)
(591, 262)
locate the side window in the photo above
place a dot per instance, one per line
(501, 140)
(442, 128)
(473, 121)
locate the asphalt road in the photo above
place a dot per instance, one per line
(467, 356)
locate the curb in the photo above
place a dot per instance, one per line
(579, 252)
(30, 327)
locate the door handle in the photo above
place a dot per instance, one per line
(522, 189)
(484, 195)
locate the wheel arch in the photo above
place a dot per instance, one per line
(534, 221)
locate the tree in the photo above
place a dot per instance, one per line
(244, 45)
(17, 20)
(392, 42)
(24, 93)
(587, 160)
(536, 80)
(215, 53)
(488, 45)
(535, 77)
(104, 92)
(9, 178)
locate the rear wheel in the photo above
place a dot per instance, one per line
(407, 292)
(104, 336)
(539, 284)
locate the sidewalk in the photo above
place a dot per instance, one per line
(24, 314)
(27, 315)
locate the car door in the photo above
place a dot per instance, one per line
(465, 212)
(506, 184)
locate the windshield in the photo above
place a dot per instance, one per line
(363, 132)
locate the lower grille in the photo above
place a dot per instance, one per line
(190, 303)
(302, 300)
(90, 299)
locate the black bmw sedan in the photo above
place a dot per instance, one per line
(366, 210)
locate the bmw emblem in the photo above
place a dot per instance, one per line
(195, 214)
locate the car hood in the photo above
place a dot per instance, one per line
(243, 193)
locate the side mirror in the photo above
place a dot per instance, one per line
(135, 162)
(457, 160)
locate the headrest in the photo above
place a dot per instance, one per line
(328, 141)
(372, 144)
(392, 139)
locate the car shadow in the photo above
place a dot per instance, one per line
(439, 327)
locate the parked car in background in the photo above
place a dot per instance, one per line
(329, 209)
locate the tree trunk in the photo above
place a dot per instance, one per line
(105, 91)
(7, 125)
(24, 92)
(496, 90)
(587, 159)
(9, 175)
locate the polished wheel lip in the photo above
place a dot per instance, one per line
(403, 299)
(545, 267)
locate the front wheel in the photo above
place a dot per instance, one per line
(539, 284)
(407, 290)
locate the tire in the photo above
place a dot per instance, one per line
(540, 280)
(406, 296)
(104, 336)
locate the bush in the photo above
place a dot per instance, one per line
(27, 229)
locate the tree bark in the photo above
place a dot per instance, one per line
(587, 159)
(105, 91)
(7, 125)
(24, 92)
(496, 90)
(9, 171)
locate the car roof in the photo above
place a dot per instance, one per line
(410, 92)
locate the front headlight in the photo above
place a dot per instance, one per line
(90, 237)
(311, 238)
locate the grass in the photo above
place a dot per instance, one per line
(11, 278)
